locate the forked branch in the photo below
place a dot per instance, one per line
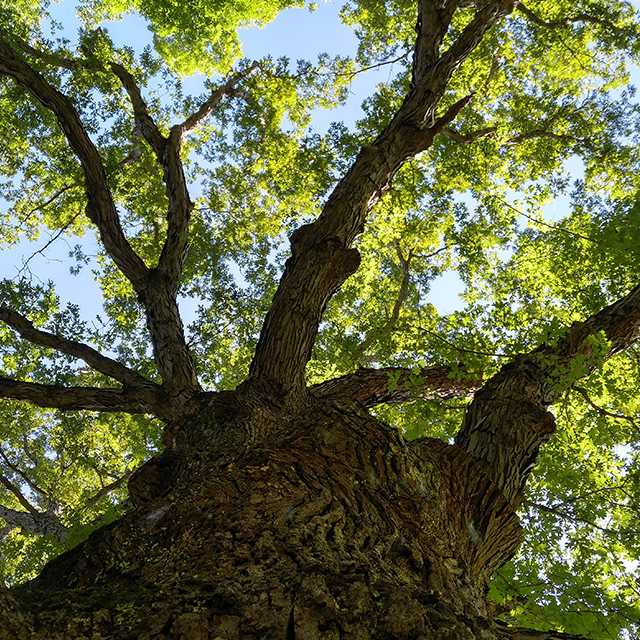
(93, 358)
(321, 255)
(101, 208)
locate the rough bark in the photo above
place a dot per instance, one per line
(321, 254)
(333, 527)
(391, 385)
(54, 396)
(282, 512)
(508, 421)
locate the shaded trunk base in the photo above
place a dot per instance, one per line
(333, 527)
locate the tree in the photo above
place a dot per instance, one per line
(279, 502)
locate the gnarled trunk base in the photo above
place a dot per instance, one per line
(333, 527)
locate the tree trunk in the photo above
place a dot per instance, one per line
(333, 527)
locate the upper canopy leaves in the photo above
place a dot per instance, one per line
(543, 103)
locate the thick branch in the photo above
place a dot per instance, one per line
(507, 421)
(18, 494)
(156, 291)
(175, 247)
(433, 22)
(321, 257)
(101, 208)
(83, 398)
(93, 358)
(395, 385)
(39, 523)
(521, 633)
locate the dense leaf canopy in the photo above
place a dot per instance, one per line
(527, 202)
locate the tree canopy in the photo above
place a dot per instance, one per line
(525, 187)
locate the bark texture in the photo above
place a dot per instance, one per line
(334, 527)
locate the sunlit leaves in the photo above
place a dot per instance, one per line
(193, 36)
(549, 121)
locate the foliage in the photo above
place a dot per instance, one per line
(531, 198)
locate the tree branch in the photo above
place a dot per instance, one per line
(32, 485)
(148, 127)
(541, 133)
(321, 255)
(39, 523)
(101, 208)
(566, 516)
(451, 134)
(432, 25)
(157, 288)
(507, 421)
(602, 411)
(83, 398)
(402, 295)
(217, 95)
(395, 385)
(520, 633)
(107, 489)
(580, 17)
(18, 494)
(93, 358)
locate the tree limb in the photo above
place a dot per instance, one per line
(567, 516)
(507, 421)
(39, 523)
(601, 410)
(93, 358)
(521, 633)
(101, 208)
(32, 485)
(217, 95)
(18, 494)
(321, 255)
(118, 482)
(156, 290)
(83, 398)
(541, 133)
(393, 385)
(432, 25)
(580, 17)
(402, 295)
(148, 127)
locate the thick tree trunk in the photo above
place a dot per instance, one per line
(334, 527)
